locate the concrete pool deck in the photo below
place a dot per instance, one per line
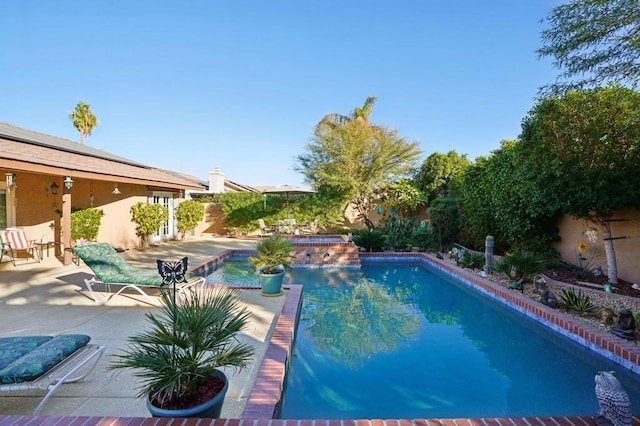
(47, 298)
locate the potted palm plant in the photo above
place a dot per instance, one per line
(272, 259)
(179, 357)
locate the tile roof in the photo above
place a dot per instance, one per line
(38, 149)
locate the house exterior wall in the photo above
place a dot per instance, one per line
(572, 231)
(38, 210)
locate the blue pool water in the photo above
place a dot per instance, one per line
(402, 341)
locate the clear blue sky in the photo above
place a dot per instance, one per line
(194, 85)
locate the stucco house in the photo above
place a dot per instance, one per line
(37, 168)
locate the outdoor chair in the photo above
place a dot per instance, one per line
(29, 363)
(112, 269)
(14, 241)
(264, 229)
(309, 228)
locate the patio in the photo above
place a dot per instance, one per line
(48, 298)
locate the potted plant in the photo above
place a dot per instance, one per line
(272, 259)
(179, 357)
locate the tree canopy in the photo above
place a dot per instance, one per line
(592, 42)
(83, 120)
(580, 154)
(438, 171)
(491, 203)
(352, 157)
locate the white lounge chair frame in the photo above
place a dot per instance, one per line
(180, 288)
(71, 369)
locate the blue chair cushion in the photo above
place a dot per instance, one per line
(42, 358)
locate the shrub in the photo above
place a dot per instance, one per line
(149, 218)
(188, 214)
(85, 223)
(369, 239)
(608, 317)
(398, 233)
(520, 264)
(424, 238)
(577, 301)
(472, 260)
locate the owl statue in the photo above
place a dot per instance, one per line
(615, 406)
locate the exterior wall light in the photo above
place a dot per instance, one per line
(11, 181)
(116, 191)
(54, 188)
(68, 182)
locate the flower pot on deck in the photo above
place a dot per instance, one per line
(271, 284)
(210, 409)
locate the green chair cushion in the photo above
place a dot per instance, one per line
(42, 358)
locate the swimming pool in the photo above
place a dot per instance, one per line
(439, 350)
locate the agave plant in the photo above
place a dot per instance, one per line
(187, 341)
(577, 301)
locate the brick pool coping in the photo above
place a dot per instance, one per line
(266, 393)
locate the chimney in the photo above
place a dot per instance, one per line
(216, 181)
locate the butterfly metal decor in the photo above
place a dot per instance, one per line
(173, 272)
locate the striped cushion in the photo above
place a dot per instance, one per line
(16, 239)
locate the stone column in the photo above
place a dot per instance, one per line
(488, 254)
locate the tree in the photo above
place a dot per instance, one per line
(444, 220)
(353, 158)
(580, 155)
(438, 171)
(332, 120)
(188, 214)
(593, 42)
(149, 218)
(404, 196)
(83, 120)
(492, 203)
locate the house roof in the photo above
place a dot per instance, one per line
(231, 186)
(27, 150)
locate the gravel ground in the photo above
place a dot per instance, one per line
(599, 298)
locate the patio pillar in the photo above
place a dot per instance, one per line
(66, 227)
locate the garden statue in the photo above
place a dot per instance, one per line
(615, 406)
(546, 295)
(626, 325)
(597, 271)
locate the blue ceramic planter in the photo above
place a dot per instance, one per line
(271, 284)
(210, 409)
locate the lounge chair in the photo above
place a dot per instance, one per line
(13, 241)
(112, 269)
(30, 363)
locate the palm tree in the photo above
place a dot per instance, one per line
(83, 120)
(361, 114)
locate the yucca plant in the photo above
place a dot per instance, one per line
(189, 339)
(577, 301)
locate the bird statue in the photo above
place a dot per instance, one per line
(615, 406)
